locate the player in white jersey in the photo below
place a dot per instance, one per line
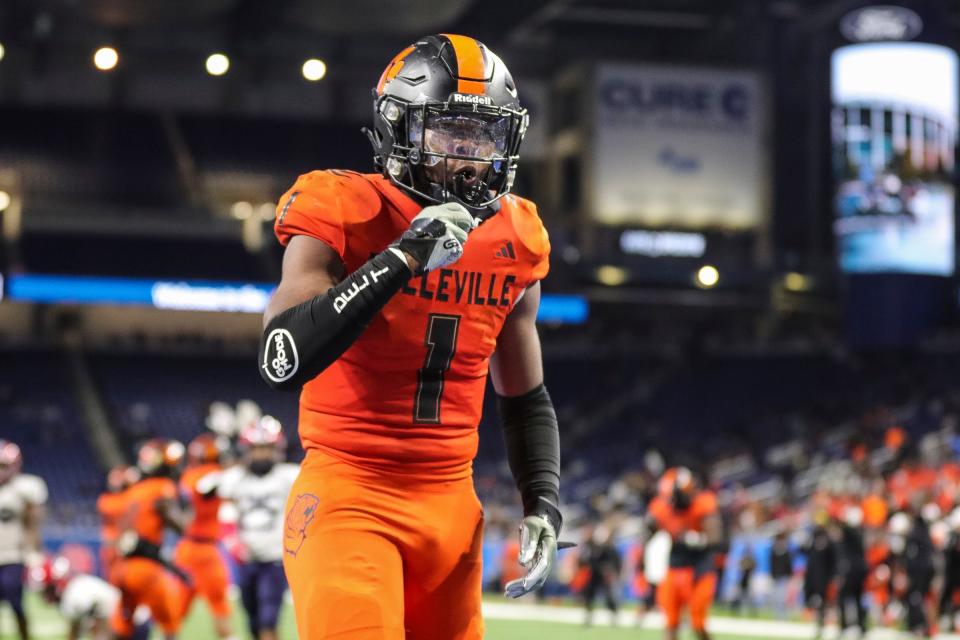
(22, 500)
(86, 602)
(257, 488)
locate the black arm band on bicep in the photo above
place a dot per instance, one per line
(304, 340)
(532, 439)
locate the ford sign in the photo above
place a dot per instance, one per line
(885, 22)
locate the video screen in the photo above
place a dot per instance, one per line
(894, 131)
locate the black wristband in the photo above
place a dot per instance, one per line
(532, 439)
(304, 340)
(550, 511)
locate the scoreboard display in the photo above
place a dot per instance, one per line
(894, 129)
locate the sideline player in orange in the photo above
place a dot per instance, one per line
(143, 576)
(198, 552)
(691, 518)
(112, 505)
(401, 290)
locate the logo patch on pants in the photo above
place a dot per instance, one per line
(299, 517)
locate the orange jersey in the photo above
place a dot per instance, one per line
(410, 390)
(676, 522)
(908, 482)
(206, 509)
(142, 514)
(704, 504)
(875, 510)
(111, 507)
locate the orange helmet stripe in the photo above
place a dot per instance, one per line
(393, 68)
(470, 67)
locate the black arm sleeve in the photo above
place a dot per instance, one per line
(304, 340)
(532, 439)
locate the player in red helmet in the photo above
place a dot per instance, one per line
(690, 516)
(112, 505)
(144, 576)
(86, 602)
(22, 501)
(52, 576)
(206, 448)
(262, 444)
(198, 552)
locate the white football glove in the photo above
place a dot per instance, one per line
(209, 483)
(695, 539)
(538, 552)
(436, 236)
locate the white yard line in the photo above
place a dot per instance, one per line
(720, 625)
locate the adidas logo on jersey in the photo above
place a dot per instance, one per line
(506, 251)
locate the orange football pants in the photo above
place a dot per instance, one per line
(145, 582)
(680, 589)
(376, 555)
(202, 561)
(108, 558)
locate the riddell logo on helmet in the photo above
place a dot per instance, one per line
(465, 98)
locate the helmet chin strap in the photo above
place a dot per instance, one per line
(439, 194)
(467, 195)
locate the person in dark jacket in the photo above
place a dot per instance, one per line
(781, 570)
(821, 565)
(913, 551)
(603, 560)
(851, 570)
(951, 573)
(747, 565)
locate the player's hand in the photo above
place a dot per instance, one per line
(694, 539)
(127, 542)
(209, 483)
(538, 552)
(436, 236)
(237, 550)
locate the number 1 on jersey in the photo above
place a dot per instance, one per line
(441, 343)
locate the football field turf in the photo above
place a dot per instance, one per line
(504, 622)
(47, 625)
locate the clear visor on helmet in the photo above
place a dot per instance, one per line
(462, 135)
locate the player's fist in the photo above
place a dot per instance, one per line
(436, 236)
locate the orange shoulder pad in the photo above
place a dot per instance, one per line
(705, 504)
(188, 480)
(527, 224)
(530, 232)
(163, 489)
(321, 203)
(659, 509)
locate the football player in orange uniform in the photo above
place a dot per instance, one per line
(401, 290)
(198, 552)
(143, 576)
(691, 518)
(112, 505)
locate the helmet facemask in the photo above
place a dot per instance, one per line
(447, 152)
